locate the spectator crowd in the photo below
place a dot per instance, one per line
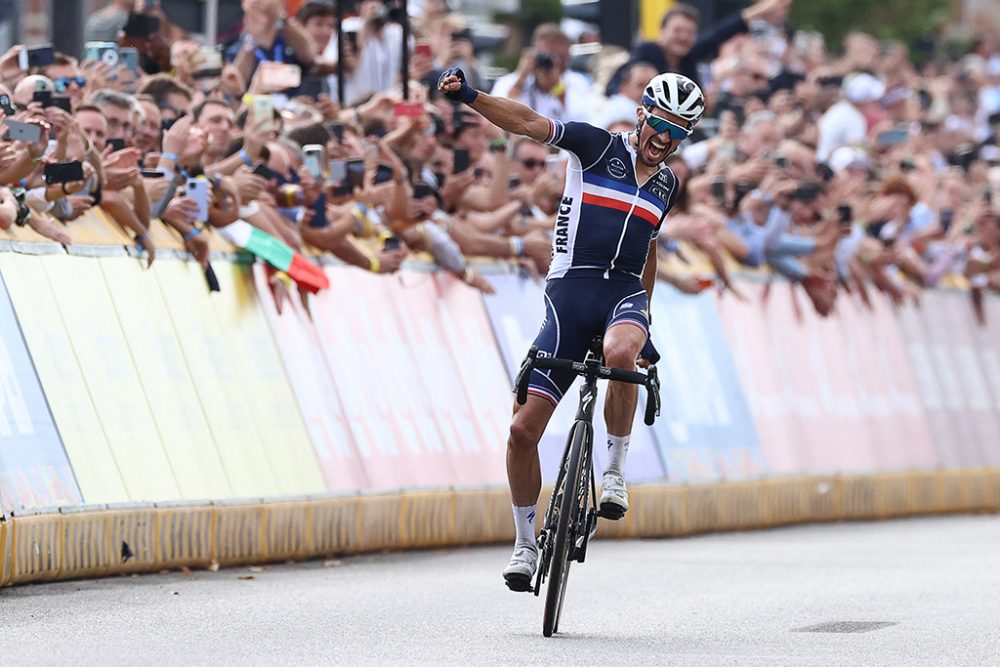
(843, 168)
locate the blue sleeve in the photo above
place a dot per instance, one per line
(582, 139)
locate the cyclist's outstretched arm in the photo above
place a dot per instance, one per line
(506, 114)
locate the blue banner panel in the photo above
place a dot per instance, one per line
(34, 470)
(705, 431)
(516, 312)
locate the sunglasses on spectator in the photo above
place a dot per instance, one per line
(532, 163)
(62, 83)
(661, 125)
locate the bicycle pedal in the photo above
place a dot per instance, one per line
(611, 512)
(518, 583)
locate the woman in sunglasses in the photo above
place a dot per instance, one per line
(618, 192)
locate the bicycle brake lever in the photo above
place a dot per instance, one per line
(524, 375)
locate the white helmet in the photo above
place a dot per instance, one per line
(676, 94)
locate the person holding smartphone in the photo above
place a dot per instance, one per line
(270, 35)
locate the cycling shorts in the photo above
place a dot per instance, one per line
(576, 310)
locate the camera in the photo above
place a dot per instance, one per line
(544, 60)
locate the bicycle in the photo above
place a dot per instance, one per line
(571, 519)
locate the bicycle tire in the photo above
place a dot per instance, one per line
(569, 503)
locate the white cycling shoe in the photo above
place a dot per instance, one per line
(521, 568)
(614, 496)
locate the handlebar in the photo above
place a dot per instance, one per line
(592, 369)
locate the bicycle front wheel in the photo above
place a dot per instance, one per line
(568, 506)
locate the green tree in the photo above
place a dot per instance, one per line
(905, 20)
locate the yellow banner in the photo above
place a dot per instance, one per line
(650, 13)
(113, 382)
(166, 380)
(49, 342)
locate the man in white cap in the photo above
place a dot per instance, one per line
(844, 124)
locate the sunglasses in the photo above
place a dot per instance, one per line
(62, 83)
(661, 125)
(532, 163)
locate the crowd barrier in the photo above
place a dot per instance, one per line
(148, 423)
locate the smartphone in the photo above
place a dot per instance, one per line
(780, 161)
(8, 107)
(263, 171)
(29, 132)
(719, 192)
(355, 173)
(36, 56)
(408, 109)
(263, 110)
(461, 160)
(845, 214)
(63, 172)
(106, 52)
(423, 48)
(947, 217)
(148, 173)
(383, 174)
(391, 243)
(279, 76)
(208, 63)
(44, 97)
(116, 144)
(197, 189)
(893, 137)
(336, 171)
(130, 58)
(337, 130)
(314, 157)
(421, 190)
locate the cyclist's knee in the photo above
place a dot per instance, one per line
(525, 432)
(620, 353)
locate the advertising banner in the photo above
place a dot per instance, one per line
(112, 381)
(397, 380)
(62, 379)
(34, 470)
(827, 394)
(166, 381)
(516, 312)
(207, 352)
(705, 431)
(312, 383)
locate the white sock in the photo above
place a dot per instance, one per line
(617, 451)
(524, 523)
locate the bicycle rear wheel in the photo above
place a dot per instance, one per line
(568, 507)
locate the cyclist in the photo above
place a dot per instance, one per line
(618, 192)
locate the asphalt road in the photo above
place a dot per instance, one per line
(918, 592)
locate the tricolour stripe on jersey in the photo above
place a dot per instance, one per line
(619, 205)
(555, 131)
(656, 212)
(593, 179)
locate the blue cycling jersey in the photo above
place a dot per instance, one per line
(606, 219)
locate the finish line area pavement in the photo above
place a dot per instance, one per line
(906, 592)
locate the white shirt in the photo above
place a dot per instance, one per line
(617, 107)
(841, 125)
(378, 66)
(578, 98)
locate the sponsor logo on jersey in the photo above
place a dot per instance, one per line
(617, 168)
(562, 225)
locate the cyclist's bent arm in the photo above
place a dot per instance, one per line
(649, 272)
(513, 117)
